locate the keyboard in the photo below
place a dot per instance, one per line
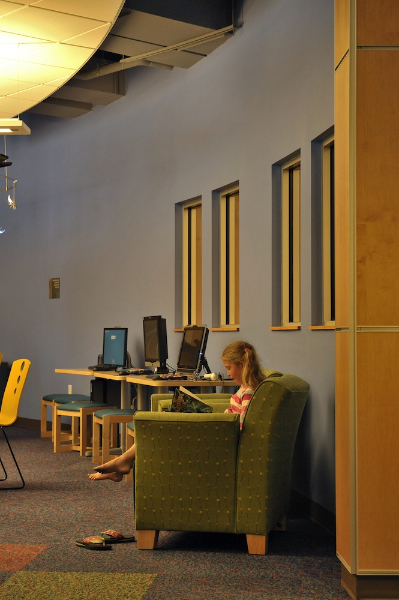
(133, 371)
(169, 377)
(102, 368)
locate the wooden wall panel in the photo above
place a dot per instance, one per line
(342, 194)
(378, 451)
(342, 445)
(341, 18)
(377, 206)
(377, 22)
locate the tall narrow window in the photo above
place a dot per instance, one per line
(229, 258)
(290, 238)
(192, 264)
(328, 210)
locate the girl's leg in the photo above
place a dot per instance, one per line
(121, 464)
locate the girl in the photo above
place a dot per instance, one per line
(242, 365)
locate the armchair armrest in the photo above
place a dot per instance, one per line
(185, 471)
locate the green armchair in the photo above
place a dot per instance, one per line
(197, 472)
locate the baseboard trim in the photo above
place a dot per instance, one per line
(314, 511)
(372, 587)
(35, 424)
(28, 423)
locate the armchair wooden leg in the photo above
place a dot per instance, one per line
(147, 539)
(257, 544)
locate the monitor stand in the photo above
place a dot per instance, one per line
(204, 365)
(162, 370)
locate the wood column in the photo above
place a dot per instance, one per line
(367, 293)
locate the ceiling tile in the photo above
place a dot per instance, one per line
(89, 39)
(34, 72)
(37, 93)
(61, 55)
(102, 10)
(46, 24)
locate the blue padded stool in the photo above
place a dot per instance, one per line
(79, 412)
(108, 419)
(53, 400)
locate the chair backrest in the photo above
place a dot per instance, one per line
(1, 357)
(266, 450)
(271, 373)
(12, 393)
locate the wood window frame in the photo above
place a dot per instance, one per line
(192, 262)
(291, 243)
(229, 251)
(328, 228)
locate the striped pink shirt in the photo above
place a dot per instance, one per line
(239, 402)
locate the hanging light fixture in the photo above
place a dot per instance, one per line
(9, 182)
(13, 127)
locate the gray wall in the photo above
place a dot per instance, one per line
(96, 199)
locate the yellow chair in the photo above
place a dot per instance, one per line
(79, 412)
(10, 405)
(108, 419)
(52, 401)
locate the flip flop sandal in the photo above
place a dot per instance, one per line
(113, 537)
(94, 542)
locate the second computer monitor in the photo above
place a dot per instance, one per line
(192, 349)
(115, 346)
(155, 343)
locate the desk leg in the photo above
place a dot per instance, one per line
(125, 395)
(143, 402)
(125, 404)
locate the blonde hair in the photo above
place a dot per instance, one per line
(242, 352)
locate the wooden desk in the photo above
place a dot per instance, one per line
(125, 387)
(144, 384)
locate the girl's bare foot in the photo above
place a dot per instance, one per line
(121, 464)
(112, 476)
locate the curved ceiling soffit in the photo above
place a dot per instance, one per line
(44, 43)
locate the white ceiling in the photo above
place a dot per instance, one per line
(43, 43)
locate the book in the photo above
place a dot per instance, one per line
(185, 401)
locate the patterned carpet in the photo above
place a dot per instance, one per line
(39, 558)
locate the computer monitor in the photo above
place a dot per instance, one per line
(192, 350)
(115, 346)
(155, 343)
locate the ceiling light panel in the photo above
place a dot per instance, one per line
(43, 43)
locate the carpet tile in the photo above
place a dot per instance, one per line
(60, 504)
(14, 557)
(75, 586)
